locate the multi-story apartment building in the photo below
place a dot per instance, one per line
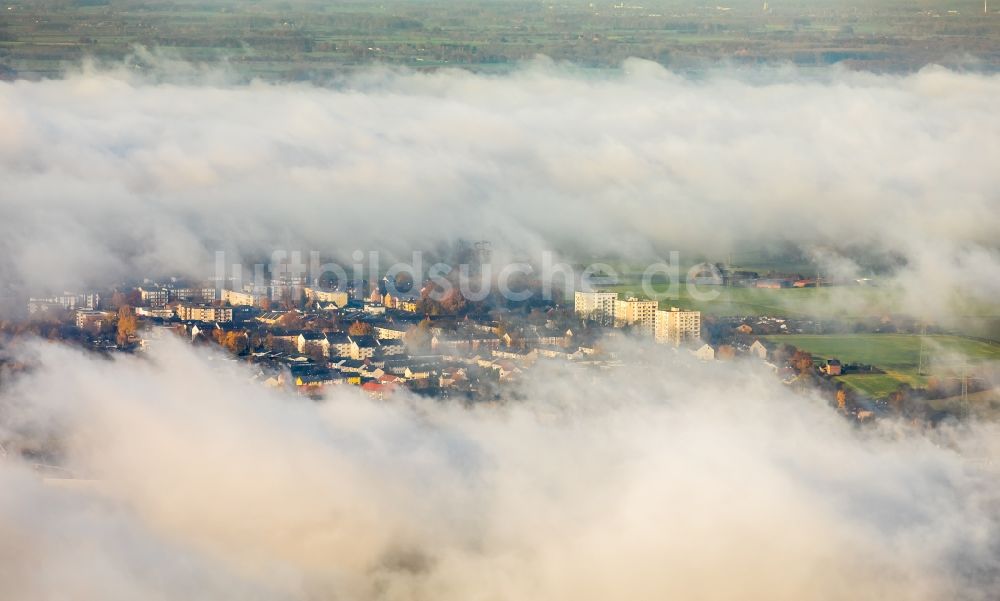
(238, 299)
(317, 295)
(154, 297)
(638, 313)
(189, 312)
(677, 326)
(596, 306)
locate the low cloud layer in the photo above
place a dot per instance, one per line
(691, 481)
(107, 173)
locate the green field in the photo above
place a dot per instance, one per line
(317, 39)
(897, 354)
(876, 386)
(842, 302)
(890, 351)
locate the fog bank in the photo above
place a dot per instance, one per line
(706, 481)
(107, 173)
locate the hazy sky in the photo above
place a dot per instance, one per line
(107, 173)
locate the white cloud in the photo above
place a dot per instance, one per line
(690, 481)
(148, 175)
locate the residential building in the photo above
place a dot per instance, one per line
(191, 312)
(677, 326)
(391, 347)
(154, 297)
(374, 308)
(317, 295)
(635, 312)
(309, 342)
(338, 344)
(90, 319)
(238, 299)
(757, 349)
(596, 306)
(362, 347)
(67, 300)
(391, 331)
(162, 312)
(704, 352)
(832, 367)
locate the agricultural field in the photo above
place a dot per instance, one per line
(899, 355)
(840, 302)
(313, 39)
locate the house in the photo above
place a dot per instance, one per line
(468, 341)
(374, 308)
(554, 352)
(417, 372)
(349, 366)
(285, 340)
(391, 347)
(391, 331)
(313, 342)
(506, 369)
(514, 354)
(314, 376)
(371, 372)
(270, 318)
(832, 367)
(704, 352)
(204, 329)
(378, 390)
(362, 347)
(338, 344)
(757, 349)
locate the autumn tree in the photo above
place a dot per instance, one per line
(359, 328)
(234, 342)
(842, 400)
(453, 302)
(802, 361)
(126, 325)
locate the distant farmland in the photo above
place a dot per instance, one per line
(827, 302)
(896, 354)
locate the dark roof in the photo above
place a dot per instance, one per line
(364, 341)
(285, 333)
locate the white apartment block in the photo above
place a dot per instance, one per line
(597, 306)
(677, 326)
(155, 297)
(92, 318)
(204, 313)
(638, 313)
(336, 297)
(238, 299)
